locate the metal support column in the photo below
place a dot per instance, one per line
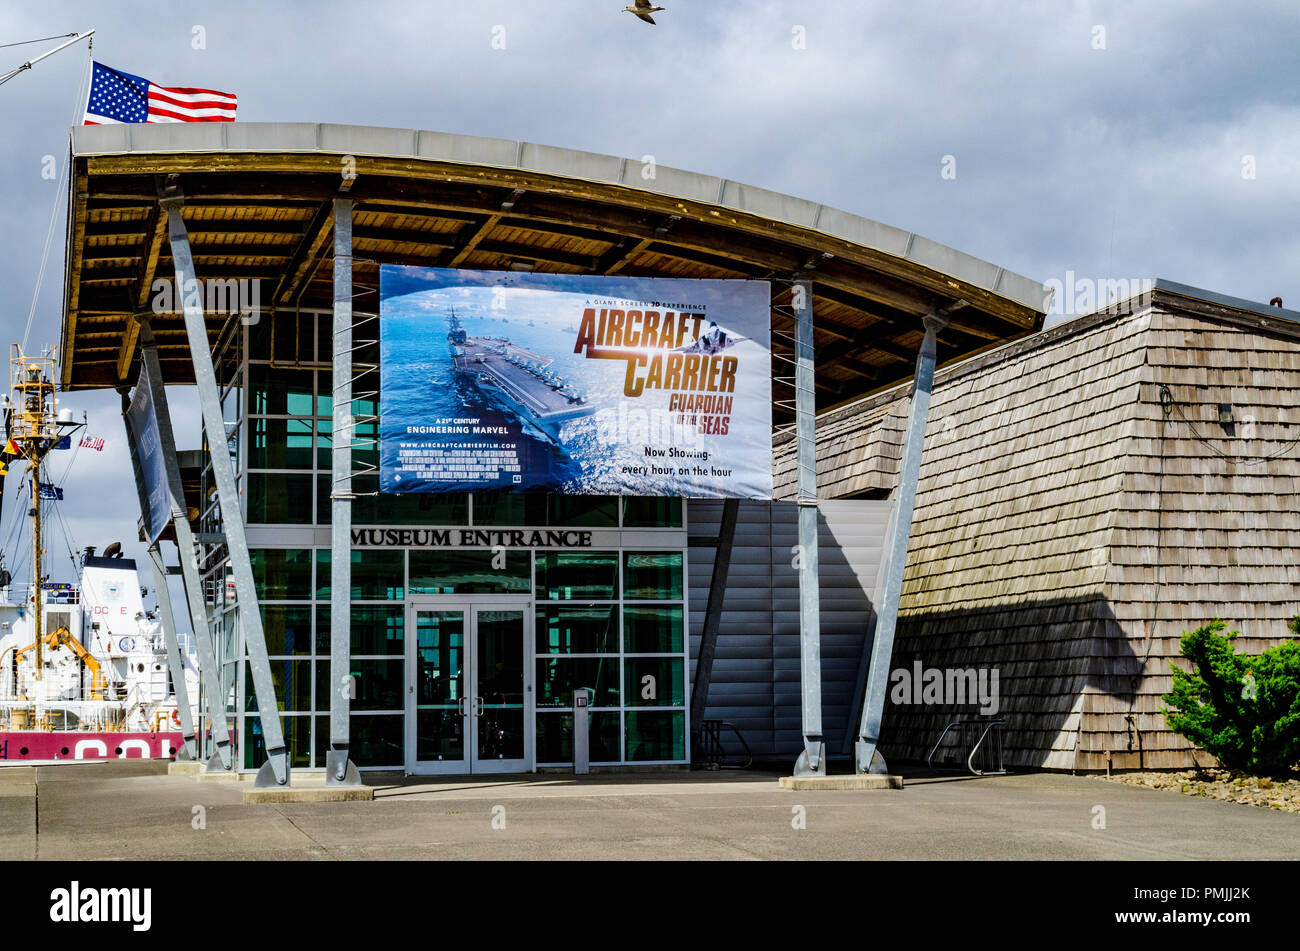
(812, 761)
(339, 769)
(187, 551)
(712, 620)
(867, 758)
(275, 771)
(189, 749)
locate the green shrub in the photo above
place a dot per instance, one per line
(1243, 709)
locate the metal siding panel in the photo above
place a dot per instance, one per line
(756, 671)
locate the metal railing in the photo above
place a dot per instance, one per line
(989, 756)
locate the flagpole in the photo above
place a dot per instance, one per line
(32, 62)
(37, 616)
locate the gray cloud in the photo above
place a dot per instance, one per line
(1123, 162)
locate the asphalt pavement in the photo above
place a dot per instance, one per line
(134, 810)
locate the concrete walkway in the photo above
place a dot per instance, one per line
(133, 810)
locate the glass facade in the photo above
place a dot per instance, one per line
(611, 617)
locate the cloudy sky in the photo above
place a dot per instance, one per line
(1111, 139)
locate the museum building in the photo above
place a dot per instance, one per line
(473, 617)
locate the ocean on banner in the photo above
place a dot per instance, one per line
(574, 384)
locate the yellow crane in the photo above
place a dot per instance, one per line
(60, 638)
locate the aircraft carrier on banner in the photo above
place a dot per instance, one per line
(517, 380)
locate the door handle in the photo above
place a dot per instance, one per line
(464, 706)
(478, 706)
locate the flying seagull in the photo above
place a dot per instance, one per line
(642, 9)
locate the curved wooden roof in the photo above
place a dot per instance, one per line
(258, 205)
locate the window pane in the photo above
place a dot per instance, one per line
(652, 513)
(577, 576)
(648, 630)
(654, 682)
(282, 574)
(362, 383)
(655, 735)
(509, 509)
(377, 740)
(365, 448)
(470, 571)
(376, 629)
(287, 628)
(652, 576)
(557, 676)
(232, 397)
(378, 684)
(321, 743)
(279, 444)
(229, 678)
(293, 338)
(292, 679)
(259, 340)
(583, 511)
(277, 498)
(279, 392)
(585, 630)
(555, 738)
(529, 508)
(416, 508)
(297, 735)
(376, 575)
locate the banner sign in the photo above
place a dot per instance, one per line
(574, 384)
(143, 420)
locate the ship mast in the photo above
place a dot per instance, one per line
(34, 428)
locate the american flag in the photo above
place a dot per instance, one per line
(116, 96)
(93, 442)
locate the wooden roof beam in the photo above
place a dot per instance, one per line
(304, 254)
(72, 287)
(468, 240)
(525, 253)
(554, 227)
(432, 239)
(155, 230)
(126, 352)
(473, 234)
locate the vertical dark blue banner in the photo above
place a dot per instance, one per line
(143, 419)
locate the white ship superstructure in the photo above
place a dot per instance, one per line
(104, 660)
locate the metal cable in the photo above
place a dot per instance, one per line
(43, 39)
(54, 211)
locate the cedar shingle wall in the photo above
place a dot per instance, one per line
(1067, 531)
(1209, 517)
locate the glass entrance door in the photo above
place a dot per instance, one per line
(469, 698)
(500, 709)
(436, 695)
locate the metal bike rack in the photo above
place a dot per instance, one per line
(712, 752)
(989, 727)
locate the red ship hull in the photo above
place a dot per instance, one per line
(76, 745)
